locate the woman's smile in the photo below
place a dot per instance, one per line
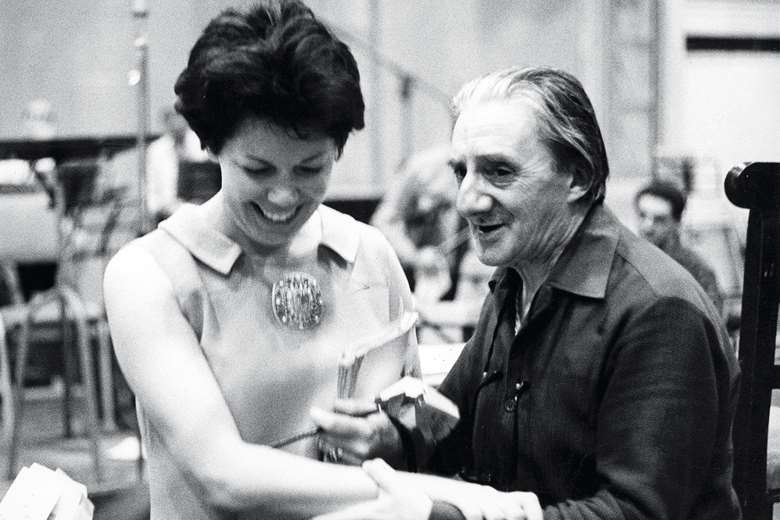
(277, 216)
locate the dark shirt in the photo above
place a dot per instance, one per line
(616, 397)
(698, 267)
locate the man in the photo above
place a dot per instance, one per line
(660, 206)
(598, 378)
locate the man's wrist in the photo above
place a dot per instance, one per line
(409, 458)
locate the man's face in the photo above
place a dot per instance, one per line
(516, 203)
(656, 223)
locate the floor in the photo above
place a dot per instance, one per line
(120, 495)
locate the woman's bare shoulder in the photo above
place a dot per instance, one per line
(134, 270)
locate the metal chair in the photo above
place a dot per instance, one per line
(756, 186)
(60, 309)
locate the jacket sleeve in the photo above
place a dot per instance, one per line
(453, 454)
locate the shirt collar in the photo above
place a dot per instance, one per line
(585, 264)
(220, 252)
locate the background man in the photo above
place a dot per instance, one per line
(598, 378)
(660, 206)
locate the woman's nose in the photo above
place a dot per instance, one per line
(283, 196)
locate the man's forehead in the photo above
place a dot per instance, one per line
(650, 203)
(493, 127)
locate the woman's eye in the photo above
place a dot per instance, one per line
(309, 170)
(257, 171)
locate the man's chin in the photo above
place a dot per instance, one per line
(488, 257)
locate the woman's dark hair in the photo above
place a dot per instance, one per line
(274, 61)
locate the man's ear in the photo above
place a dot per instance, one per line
(579, 185)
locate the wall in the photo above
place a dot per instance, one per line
(78, 53)
(721, 107)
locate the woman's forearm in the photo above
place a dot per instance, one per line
(251, 476)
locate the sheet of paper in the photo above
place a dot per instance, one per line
(32, 495)
(375, 362)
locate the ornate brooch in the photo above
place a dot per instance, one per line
(297, 301)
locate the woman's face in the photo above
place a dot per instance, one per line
(272, 181)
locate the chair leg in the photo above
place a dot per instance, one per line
(68, 376)
(106, 375)
(88, 379)
(6, 391)
(18, 400)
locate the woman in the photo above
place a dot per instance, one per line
(229, 319)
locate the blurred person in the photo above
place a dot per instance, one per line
(599, 379)
(418, 217)
(659, 207)
(220, 369)
(178, 142)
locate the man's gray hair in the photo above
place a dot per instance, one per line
(566, 119)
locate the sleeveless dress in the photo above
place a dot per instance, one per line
(270, 375)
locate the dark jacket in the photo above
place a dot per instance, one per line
(616, 397)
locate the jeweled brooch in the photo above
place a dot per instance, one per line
(297, 301)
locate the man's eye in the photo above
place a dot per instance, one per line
(500, 171)
(459, 170)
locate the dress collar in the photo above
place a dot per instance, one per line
(220, 253)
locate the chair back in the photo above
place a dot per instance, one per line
(756, 186)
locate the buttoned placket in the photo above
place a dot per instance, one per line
(512, 400)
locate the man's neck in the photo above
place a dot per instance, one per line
(535, 273)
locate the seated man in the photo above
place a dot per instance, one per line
(599, 379)
(660, 206)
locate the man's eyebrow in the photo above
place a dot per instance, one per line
(494, 159)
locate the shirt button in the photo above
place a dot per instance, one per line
(510, 405)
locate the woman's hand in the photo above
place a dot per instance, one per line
(396, 501)
(358, 432)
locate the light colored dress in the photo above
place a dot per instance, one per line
(270, 375)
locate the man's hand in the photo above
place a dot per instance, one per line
(396, 500)
(359, 432)
(478, 502)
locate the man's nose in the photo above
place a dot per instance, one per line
(472, 198)
(283, 196)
